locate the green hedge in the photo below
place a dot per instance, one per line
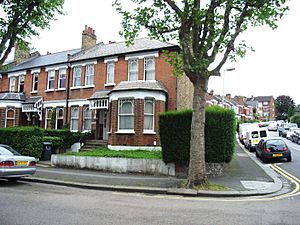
(174, 129)
(296, 119)
(26, 140)
(57, 142)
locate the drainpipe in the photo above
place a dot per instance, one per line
(68, 88)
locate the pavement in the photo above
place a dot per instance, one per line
(245, 175)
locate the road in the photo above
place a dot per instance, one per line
(40, 204)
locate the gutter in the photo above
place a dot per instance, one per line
(68, 88)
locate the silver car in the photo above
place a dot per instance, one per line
(13, 165)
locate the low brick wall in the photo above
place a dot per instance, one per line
(118, 165)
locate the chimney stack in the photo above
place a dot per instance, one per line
(21, 53)
(228, 96)
(88, 38)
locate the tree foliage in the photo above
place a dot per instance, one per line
(21, 19)
(207, 33)
(284, 107)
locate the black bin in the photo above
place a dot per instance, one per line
(47, 151)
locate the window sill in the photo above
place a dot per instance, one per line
(49, 90)
(109, 84)
(125, 132)
(74, 130)
(149, 132)
(89, 86)
(78, 87)
(60, 89)
(86, 131)
(33, 92)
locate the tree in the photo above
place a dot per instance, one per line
(283, 104)
(20, 20)
(206, 32)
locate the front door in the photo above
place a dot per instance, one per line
(102, 125)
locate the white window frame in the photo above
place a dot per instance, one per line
(131, 71)
(110, 75)
(35, 80)
(58, 109)
(12, 118)
(12, 84)
(77, 76)
(89, 75)
(21, 81)
(74, 117)
(62, 76)
(120, 115)
(87, 116)
(149, 70)
(147, 114)
(47, 113)
(51, 78)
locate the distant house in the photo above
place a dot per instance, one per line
(112, 90)
(265, 108)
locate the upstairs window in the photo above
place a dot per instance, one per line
(21, 83)
(149, 68)
(133, 70)
(77, 76)
(126, 114)
(110, 73)
(62, 78)
(51, 76)
(89, 74)
(12, 84)
(149, 115)
(35, 82)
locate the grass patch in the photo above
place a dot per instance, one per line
(104, 152)
(211, 187)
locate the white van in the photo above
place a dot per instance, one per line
(243, 128)
(253, 136)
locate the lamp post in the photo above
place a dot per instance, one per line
(229, 69)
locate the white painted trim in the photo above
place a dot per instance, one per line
(56, 67)
(60, 89)
(111, 59)
(141, 55)
(84, 63)
(74, 88)
(54, 104)
(16, 74)
(148, 132)
(49, 90)
(88, 86)
(125, 132)
(110, 84)
(138, 94)
(33, 92)
(37, 70)
(150, 148)
(78, 102)
(15, 104)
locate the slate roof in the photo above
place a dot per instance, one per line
(32, 100)
(140, 85)
(12, 96)
(105, 50)
(100, 94)
(263, 98)
(44, 60)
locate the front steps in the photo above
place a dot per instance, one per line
(92, 144)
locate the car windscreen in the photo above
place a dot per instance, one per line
(5, 150)
(254, 134)
(275, 142)
(263, 133)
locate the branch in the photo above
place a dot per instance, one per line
(162, 31)
(230, 45)
(173, 5)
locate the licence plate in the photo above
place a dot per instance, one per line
(277, 155)
(21, 163)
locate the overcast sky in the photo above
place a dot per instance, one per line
(273, 69)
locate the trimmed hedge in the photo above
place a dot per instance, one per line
(26, 140)
(220, 126)
(57, 142)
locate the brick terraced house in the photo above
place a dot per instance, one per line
(112, 90)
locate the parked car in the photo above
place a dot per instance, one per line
(295, 136)
(273, 148)
(13, 165)
(243, 127)
(253, 136)
(283, 129)
(290, 132)
(272, 126)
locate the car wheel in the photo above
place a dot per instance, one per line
(289, 158)
(264, 160)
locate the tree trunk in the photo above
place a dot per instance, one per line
(197, 170)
